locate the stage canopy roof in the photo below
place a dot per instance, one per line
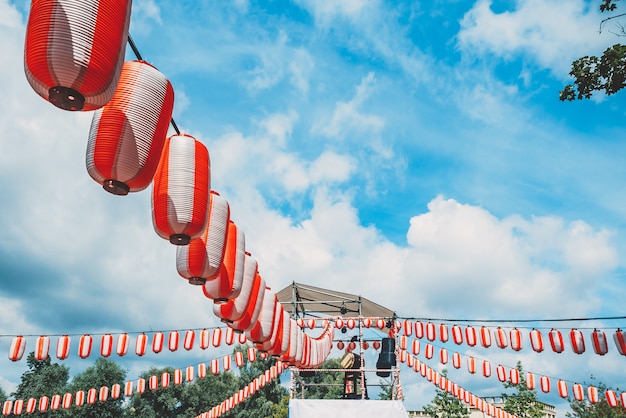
(311, 301)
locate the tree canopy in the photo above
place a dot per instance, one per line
(445, 404)
(188, 400)
(606, 73)
(523, 402)
(585, 409)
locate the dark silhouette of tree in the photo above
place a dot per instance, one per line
(43, 378)
(605, 73)
(3, 395)
(103, 372)
(158, 403)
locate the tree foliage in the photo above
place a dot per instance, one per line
(523, 403)
(323, 385)
(605, 73)
(43, 378)
(585, 409)
(386, 391)
(158, 403)
(188, 400)
(263, 403)
(445, 404)
(104, 372)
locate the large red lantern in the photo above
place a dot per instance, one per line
(74, 50)
(227, 284)
(234, 309)
(253, 308)
(182, 184)
(262, 330)
(277, 325)
(202, 258)
(127, 135)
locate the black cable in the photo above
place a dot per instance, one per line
(139, 57)
(603, 318)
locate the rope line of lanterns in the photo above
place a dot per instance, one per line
(240, 396)
(287, 342)
(140, 385)
(77, 64)
(458, 391)
(430, 331)
(120, 343)
(503, 373)
(503, 337)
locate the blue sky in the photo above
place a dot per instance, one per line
(415, 153)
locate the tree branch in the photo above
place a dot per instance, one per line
(609, 18)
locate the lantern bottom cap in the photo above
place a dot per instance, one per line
(197, 281)
(66, 98)
(180, 239)
(115, 187)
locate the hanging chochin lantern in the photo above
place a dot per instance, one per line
(127, 135)
(74, 50)
(600, 345)
(234, 309)
(202, 258)
(182, 184)
(262, 331)
(227, 284)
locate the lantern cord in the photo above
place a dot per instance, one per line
(139, 57)
(604, 318)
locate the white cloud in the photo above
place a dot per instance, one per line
(145, 14)
(276, 61)
(330, 166)
(9, 16)
(347, 118)
(325, 12)
(508, 264)
(279, 126)
(552, 33)
(301, 67)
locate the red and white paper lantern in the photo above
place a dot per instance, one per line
(556, 340)
(16, 350)
(620, 342)
(577, 340)
(63, 347)
(536, 340)
(84, 346)
(485, 337)
(600, 345)
(202, 259)
(127, 135)
(74, 50)
(181, 189)
(227, 284)
(42, 347)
